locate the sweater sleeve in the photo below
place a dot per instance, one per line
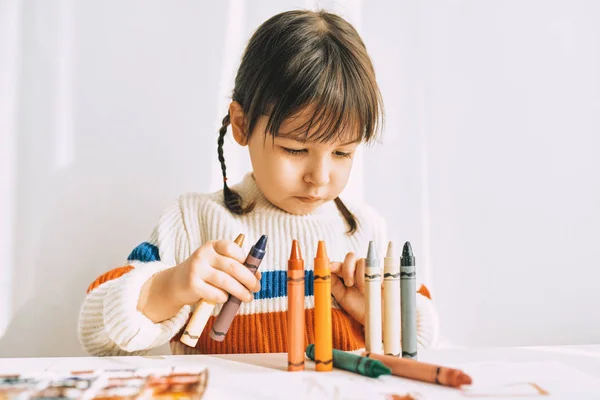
(427, 317)
(109, 321)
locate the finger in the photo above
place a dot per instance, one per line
(229, 284)
(211, 293)
(336, 267)
(230, 249)
(348, 269)
(338, 290)
(360, 275)
(237, 270)
(258, 276)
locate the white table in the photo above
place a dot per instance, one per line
(566, 372)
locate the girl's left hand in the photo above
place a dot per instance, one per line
(348, 285)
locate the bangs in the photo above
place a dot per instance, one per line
(327, 79)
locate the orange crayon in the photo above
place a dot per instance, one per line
(322, 289)
(413, 369)
(202, 313)
(295, 314)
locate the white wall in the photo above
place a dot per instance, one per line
(486, 168)
(491, 161)
(9, 45)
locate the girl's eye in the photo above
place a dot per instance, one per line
(294, 151)
(342, 154)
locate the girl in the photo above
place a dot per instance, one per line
(305, 98)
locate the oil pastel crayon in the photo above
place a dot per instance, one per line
(372, 301)
(408, 303)
(354, 363)
(322, 293)
(295, 313)
(201, 314)
(232, 305)
(413, 369)
(391, 303)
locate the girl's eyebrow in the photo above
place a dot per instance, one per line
(301, 139)
(292, 136)
(352, 142)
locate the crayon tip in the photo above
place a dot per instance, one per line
(390, 251)
(296, 255)
(261, 244)
(310, 351)
(456, 378)
(464, 379)
(371, 253)
(380, 368)
(408, 258)
(407, 250)
(321, 251)
(239, 240)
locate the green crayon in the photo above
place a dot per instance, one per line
(354, 363)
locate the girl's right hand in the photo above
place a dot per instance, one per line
(214, 271)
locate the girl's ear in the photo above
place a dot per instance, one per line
(238, 126)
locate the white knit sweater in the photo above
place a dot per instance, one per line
(110, 324)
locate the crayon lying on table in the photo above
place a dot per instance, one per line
(232, 305)
(201, 314)
(353, 363)
(412, 369)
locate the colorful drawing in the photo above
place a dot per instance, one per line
(124, 384)
(181, 386)
(20, 386)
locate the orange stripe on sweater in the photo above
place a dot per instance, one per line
(109, 276)
(267, 333)
(424, 291)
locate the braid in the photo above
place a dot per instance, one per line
(222, 133)
(347, 215)
(232, 199)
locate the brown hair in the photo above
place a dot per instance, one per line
(301, 58)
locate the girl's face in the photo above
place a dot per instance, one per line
(294, 175)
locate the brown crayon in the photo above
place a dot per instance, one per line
(232, 305)
(295, 314)
(202, 313)
(417, 370)
(322, 289)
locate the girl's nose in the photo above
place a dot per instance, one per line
(318, 175)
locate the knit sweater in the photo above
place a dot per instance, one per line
(110, 324)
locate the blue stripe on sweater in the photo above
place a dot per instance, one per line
(273, 284)
(145, 252)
